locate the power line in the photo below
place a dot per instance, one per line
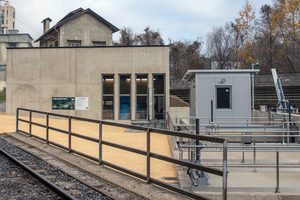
(30, 24)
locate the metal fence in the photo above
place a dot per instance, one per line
(148, 154)
(260, 130)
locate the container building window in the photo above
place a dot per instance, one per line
(223, 97)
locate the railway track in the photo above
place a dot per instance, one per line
(24, 176)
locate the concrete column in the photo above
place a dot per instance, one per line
(116, 96)
(133, 96)
(150, 86)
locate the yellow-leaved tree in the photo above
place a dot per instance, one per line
(244, 28)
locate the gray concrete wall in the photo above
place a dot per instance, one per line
(36, 75)
(206, 84)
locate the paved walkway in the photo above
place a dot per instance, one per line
(128, 160)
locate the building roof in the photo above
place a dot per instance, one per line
(190, 74)
(74, 14)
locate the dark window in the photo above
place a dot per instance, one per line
(159, 96)
(108, 96)
(141, 96)
(13, 14)
(224, 97)
(13, 25)
(99, 43)
(125, 108)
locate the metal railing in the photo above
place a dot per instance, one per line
(241, 148)
(146, 153)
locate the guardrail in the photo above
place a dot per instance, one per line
(147, 153)
(241, 148)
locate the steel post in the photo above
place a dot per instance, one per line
(70, 148)
(277, 172)
(17, 120)
(212, 111)
(254, 156)
(224, 191)
(197, 141)
(148, 156)
(30, 120)
(100, 143)
(47, 128)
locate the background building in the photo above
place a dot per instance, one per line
(7, 17)
(81, 27)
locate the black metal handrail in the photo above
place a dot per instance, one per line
(147, 153)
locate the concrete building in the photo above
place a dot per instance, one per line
(7, 17)
(116, 83)
(81, 27)
(230, 91)
(12, 39)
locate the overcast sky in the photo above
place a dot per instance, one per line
(176, 19)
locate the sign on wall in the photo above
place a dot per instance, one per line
(81, 103)
(63, 103)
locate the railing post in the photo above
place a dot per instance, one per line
(148, 156)
(47, 128)
(17, 120)
(70, 148)
(243, 153)
(100, 143)
(30, 119)
(277, 171)
(197, 140)
(254, 156)
(224, 192)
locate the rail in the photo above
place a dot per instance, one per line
(147, 153)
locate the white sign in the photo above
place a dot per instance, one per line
(81, 103)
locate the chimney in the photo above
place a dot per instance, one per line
(46, 23)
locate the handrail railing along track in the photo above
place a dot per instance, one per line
(147, 153)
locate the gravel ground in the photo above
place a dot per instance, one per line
(17, 184)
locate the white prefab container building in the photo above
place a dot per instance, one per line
(223, 94)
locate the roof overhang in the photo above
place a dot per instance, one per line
(190, 74)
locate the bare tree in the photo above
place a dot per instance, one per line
(185, 55)
(220, 47)
(149, 37)
(127, 37)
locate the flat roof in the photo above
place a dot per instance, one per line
(190, 74)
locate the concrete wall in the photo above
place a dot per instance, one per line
(87, 29)
(206, 84)
(36, 75)
(180, 112)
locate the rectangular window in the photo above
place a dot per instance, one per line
(2, 21)
(74, 43)
(6, 21)
(13, 14)
(99, 43)
(13, 25)
(223, 97)
(108, 96)
(141, 96)
(125, 109)
(159, 96)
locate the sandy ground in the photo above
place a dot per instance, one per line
(131, 161)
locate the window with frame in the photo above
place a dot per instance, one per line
(74, 43)
(108, 96)
(159, 96)
(99, 43)
(125, 108)
(141, 96)
(223, 97)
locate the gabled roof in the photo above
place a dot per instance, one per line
(74, 14)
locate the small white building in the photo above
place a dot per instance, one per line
(221, 93)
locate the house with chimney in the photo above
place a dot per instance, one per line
(81, 27)
(77, 62)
